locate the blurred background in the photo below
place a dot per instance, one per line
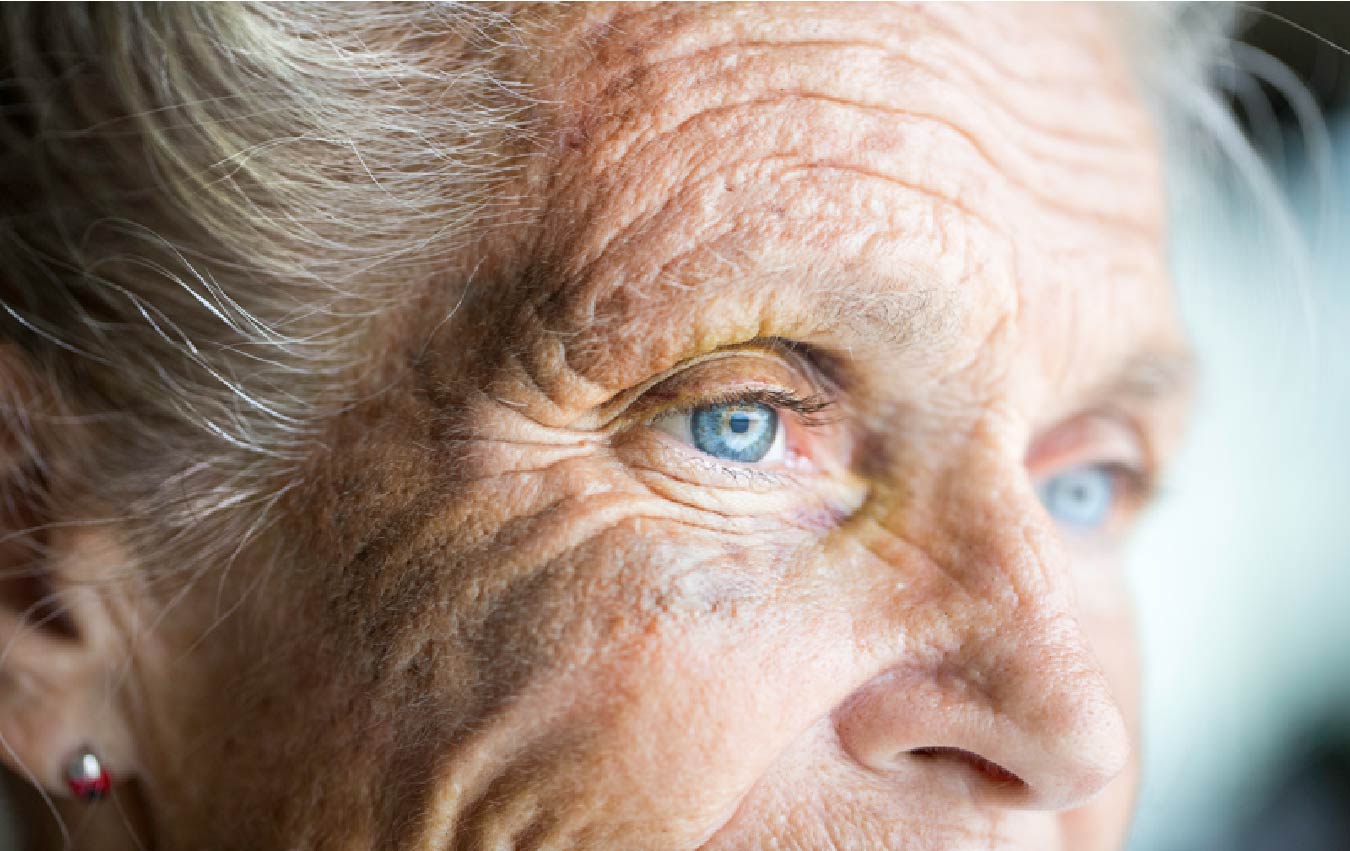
(1243, 571)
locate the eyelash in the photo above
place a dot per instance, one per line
(809, 410)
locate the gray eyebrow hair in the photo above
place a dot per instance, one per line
(1150, 375)
(924, 313)
(891, 318)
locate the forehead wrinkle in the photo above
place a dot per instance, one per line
(1010, 146)
(608, 141)
(668, 97)
(864, 296)
(690, 193)
(908, 36)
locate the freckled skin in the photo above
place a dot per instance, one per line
(513, 616)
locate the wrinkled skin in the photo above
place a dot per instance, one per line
(524, 616)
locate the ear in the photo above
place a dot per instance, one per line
(64, 590)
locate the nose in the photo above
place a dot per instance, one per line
(1032, 727)
(1000, 688)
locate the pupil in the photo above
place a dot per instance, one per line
(740, 423)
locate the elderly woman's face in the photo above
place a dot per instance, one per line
(764, 491)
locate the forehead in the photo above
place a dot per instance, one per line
(977, 186)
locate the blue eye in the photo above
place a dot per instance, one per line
(734, 431)
(1082, 496)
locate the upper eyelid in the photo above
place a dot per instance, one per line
(618, 412)
(1044, 453)
(1145, 439)
(617, 405)
(807, 408)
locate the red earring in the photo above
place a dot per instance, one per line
(86, 777)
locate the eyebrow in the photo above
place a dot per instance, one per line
(1151, 375)
(903, 318)
(874, 310)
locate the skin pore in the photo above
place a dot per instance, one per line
(519, 608)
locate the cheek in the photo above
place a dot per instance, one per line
(686, 664)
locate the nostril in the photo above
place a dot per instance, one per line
(991, 772)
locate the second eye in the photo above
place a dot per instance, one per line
(1081, 496)
(745, 432)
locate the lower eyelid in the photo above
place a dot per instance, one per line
(704, 471)
(658, 451)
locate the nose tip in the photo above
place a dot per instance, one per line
(1065, 766)
(1044, 748)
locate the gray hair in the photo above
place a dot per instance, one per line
(204, 205)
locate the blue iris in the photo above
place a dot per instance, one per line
(735, 431)
(1082, 496)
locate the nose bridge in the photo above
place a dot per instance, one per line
(986, 531)
(979, 523)
(1011, 681)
